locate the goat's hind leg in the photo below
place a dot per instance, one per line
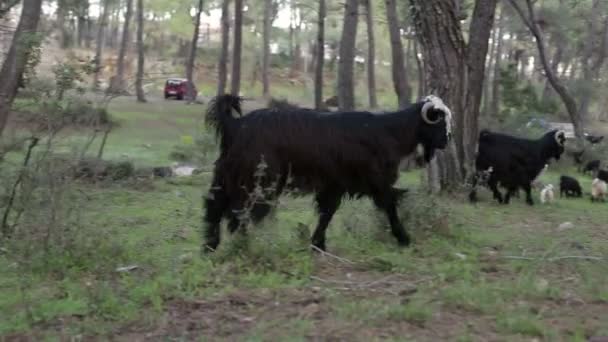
(493, 184)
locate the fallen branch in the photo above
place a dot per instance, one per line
(324, 253)
(582, 257)
(6, 230)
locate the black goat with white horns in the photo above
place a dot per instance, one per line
(331, 155)
(515, 162)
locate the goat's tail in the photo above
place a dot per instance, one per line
(222, 114)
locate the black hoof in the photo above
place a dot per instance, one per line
(318, 246)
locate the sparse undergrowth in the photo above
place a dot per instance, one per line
(131, 266)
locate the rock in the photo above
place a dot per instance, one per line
(565, 226)
(541, 284)
(461, 256)
(186, 257)
(127, 268)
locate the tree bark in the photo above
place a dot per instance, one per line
(400, 82)
(18, 56)
(235, 87)
(530, 21)
(266, 48)
(346, 86)
(371, 55)
(223, 62)
(118, 84)
(320, 55)
(139, 81)
(443, 48)
(101, 26)
(192, 55)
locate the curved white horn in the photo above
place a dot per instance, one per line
(558, 135)
(424, 111)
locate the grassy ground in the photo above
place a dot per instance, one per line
(483, 272)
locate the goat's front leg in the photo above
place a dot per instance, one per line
(387, 201)
(327, 203)
(528, 190)
(216, 204)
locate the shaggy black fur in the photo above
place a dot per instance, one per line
(569, 186)
(602, 175)
(592, 166)
(332, 155)
(516, 162)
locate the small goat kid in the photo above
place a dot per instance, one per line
(598, 190)
(331, 155)
(546, 194)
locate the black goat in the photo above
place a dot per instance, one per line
(593, 139)
(332, 155)
(591, 167)
(602, 175)
(515, 162)
(570, 187)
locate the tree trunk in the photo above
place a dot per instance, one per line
(320, 56)
(420, 68)
(82, 27)
(477, 50)
(555, 61)
(223, 62)
(139, 86)
(62, 13)
(235, 87)
(192, 55)
(495, 104)
(101, 26)
(591, 69)
(487, 90)
(530, 21)
(371, 55)
(402, 88)
(443, 48)
(346, 87)
(296, 60)
(18, 56)
(118, 83)
(266, 48)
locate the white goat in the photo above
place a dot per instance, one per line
(598, 190)
(546, 194)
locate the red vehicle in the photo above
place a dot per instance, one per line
(177, 87)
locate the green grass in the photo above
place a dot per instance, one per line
(459, 271)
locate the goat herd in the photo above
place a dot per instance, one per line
(352, 154)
